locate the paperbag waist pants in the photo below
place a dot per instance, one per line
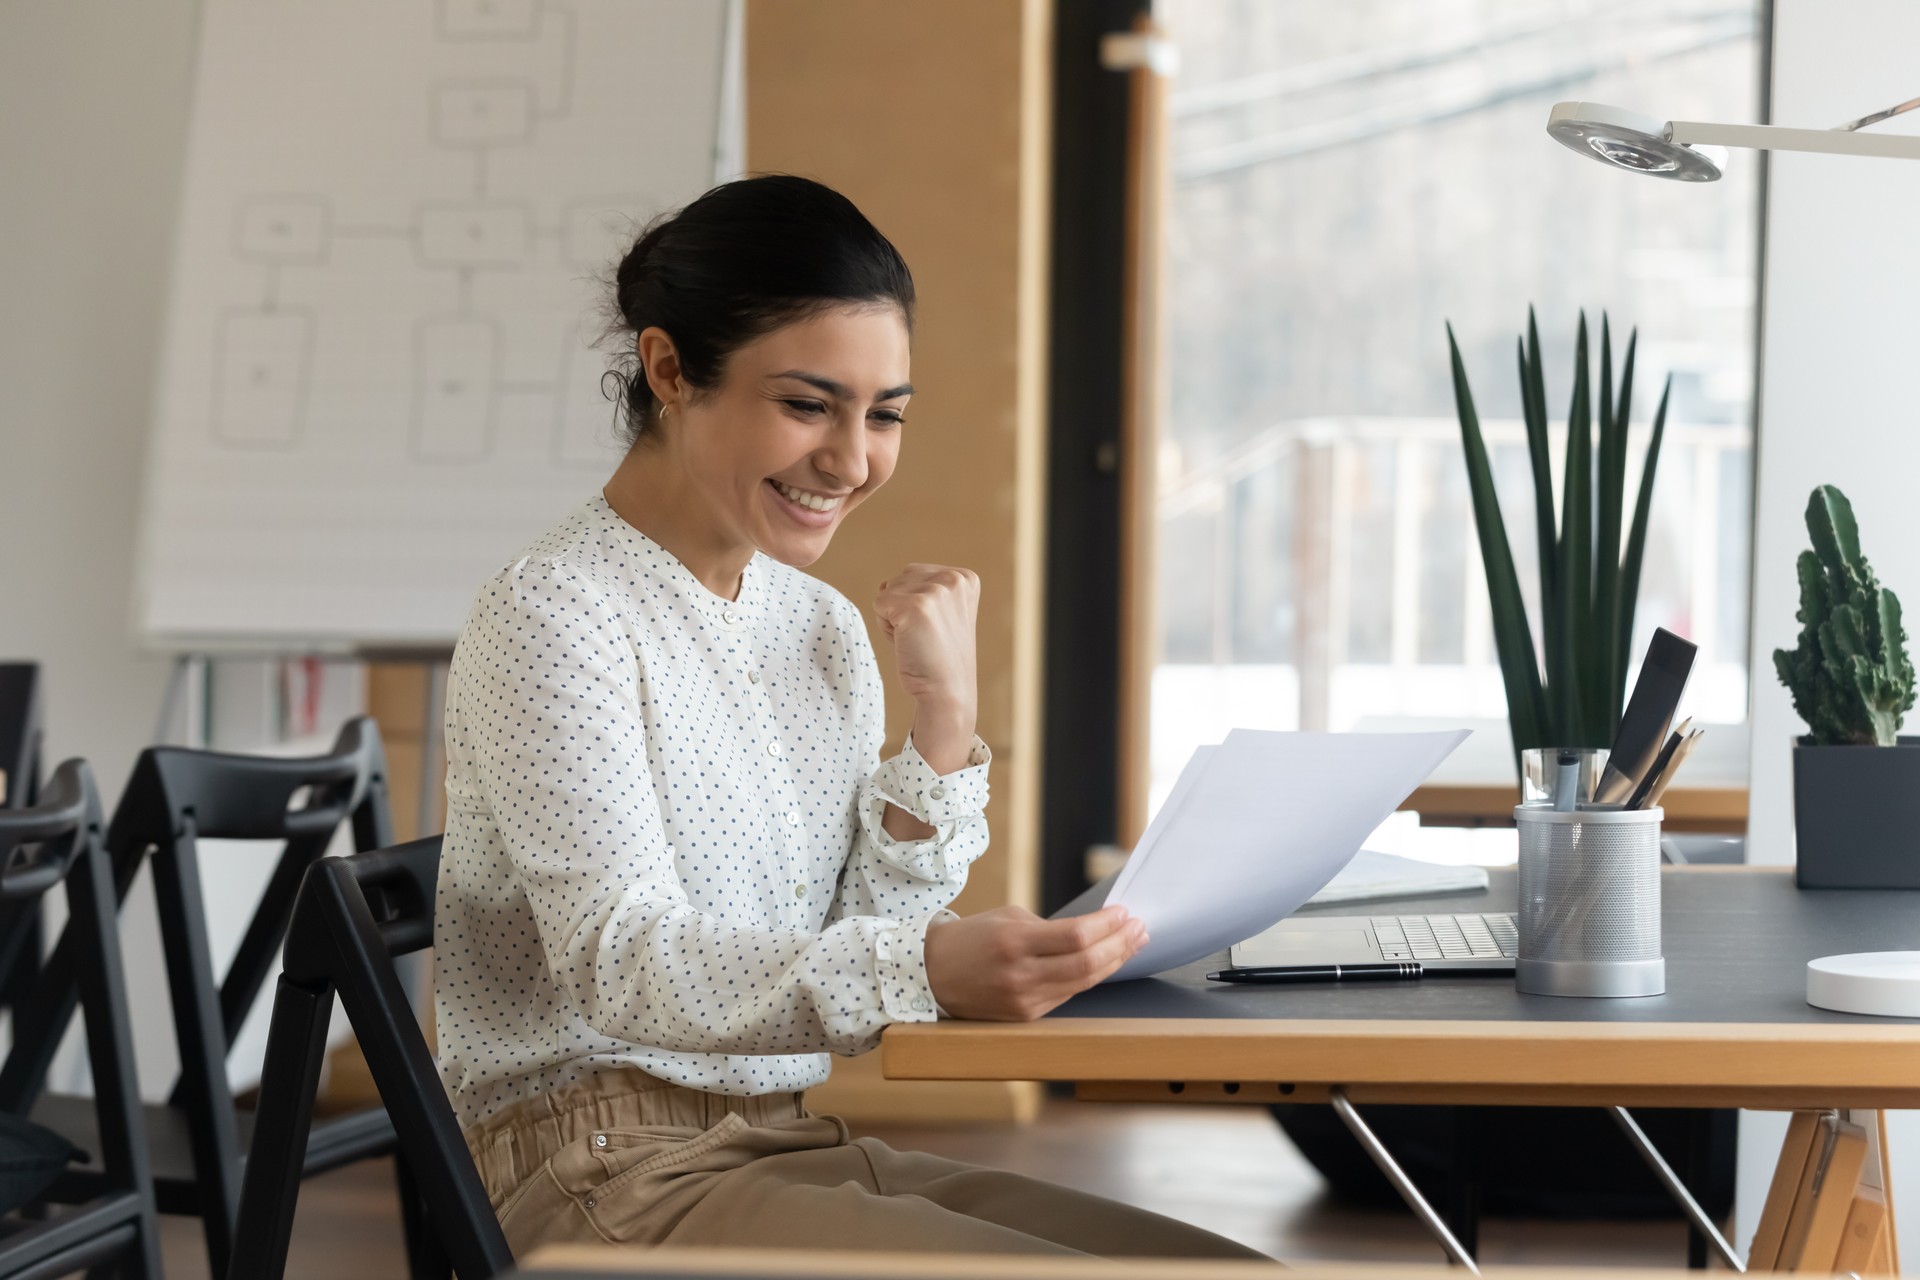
(625, 1158)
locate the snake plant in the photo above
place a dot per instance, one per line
(1570, 692)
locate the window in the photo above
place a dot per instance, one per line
(1347, 179)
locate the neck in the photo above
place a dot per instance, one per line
(645, 493)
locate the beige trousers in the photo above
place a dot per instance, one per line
(629, 1159)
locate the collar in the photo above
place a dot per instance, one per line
(658, 562)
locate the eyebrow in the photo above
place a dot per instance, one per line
(840, 391)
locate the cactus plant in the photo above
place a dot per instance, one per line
(1589, 580)
(1849, 675)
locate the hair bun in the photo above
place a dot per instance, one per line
(741, 261)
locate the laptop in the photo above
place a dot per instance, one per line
(1467, 942)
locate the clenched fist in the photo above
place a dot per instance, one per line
(928, 611)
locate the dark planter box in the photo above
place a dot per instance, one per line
(1856, 816)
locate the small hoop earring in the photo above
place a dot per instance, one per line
(663, 415)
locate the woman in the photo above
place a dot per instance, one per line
(676, 873)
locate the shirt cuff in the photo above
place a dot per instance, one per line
(900, 960)
(909, 782)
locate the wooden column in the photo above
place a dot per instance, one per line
(934, 119)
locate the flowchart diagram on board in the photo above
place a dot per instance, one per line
(381, 362)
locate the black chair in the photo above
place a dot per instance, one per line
(20, 739)
(174, 797)
(355, 915)
(20, 733)
(103, 1215)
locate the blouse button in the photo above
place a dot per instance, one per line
(753, 677)
(793, 817)
(799, 891)
(729, 617)
(937, 793)
(921, 1004)
(774, 748)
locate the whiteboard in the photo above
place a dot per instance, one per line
(377, 375)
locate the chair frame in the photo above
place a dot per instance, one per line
(113, 1218)
(175, 796)
(20, 747)
(354, 916)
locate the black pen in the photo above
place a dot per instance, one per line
(1318, 972)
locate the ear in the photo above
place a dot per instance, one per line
(660, 365)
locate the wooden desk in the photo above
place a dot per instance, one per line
(1733, 1030)
(1708, 810)
(591, 1262)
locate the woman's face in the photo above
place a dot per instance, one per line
(804, 424)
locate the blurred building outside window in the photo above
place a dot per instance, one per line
(1347, 178)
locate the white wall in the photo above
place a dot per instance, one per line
(93, 111)
(1839, 399)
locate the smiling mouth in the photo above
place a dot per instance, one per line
(801, 498)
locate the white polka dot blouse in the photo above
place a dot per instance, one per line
(664, 845)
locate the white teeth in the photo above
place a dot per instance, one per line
(811, 501)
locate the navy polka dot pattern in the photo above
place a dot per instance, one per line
(664, 845)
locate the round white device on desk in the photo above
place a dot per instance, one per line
(1885, 983)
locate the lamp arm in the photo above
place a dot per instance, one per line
(1878, 116)
(1767, 137)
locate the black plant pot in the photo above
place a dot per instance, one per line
(1856, 816)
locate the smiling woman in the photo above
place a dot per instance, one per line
(677, 874)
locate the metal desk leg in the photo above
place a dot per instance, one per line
(1384, 1161)
(1464, 1185)
(1677, 1189)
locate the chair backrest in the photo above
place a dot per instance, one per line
(177, 795)
(59, 840)
(174, 796)
(20, 733)
(354, 916)
(19, 789)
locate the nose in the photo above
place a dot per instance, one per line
(843, 457)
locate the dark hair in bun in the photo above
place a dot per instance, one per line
(736, 264)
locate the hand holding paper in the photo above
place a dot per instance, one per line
(1255, 827)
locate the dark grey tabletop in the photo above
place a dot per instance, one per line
(1737, 941)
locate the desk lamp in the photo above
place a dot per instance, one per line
(1690, 151)
(1886, 983)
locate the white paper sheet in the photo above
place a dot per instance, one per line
(1255, 827)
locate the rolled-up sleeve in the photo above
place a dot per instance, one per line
(551, 707)
(911, 882)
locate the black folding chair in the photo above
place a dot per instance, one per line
(355, 915)
(20, 765)
(175, 797)
(103, 1214)
(20, 732)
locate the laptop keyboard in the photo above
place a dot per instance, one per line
(1447, 937)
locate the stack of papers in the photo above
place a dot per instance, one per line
(1373, 875)
(1255, 827)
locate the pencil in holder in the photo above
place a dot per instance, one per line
(1589, 902)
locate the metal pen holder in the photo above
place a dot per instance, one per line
(1589, 902)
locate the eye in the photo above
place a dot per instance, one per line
(889, 418)
(806, 407)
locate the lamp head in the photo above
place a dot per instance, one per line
(1629, 140)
